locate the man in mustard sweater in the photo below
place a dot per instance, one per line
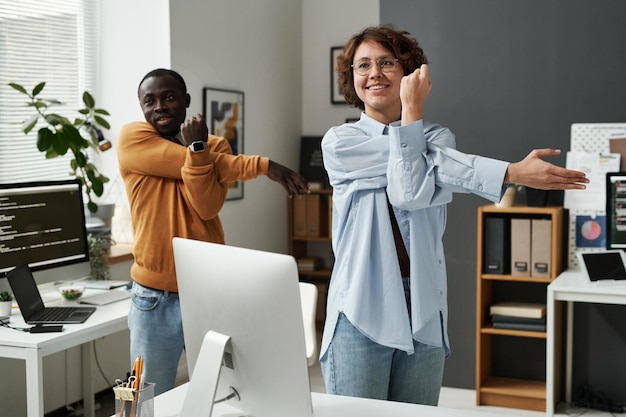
(176, 177)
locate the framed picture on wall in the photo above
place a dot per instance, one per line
(223, 112)
(335, 94)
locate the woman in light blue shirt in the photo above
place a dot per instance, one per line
(385, 334)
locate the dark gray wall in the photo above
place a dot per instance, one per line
(509, 77)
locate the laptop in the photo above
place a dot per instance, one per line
(31, 305)
(605, 267)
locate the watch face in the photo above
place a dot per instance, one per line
(198, 146)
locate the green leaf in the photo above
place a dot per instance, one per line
(60, 142)
(84, 111)
(81, 159)
(88, 100)
(30, 123)
(50, 153)
(97, 187)
(102, 122)
(102, 111)
(93, 207)
(74, 138)
(44, 139)
(38, 88)
(19, 88)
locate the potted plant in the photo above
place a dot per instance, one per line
(62, 134)
(6, 302)
(98, 247)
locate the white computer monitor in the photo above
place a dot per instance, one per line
(253, 297)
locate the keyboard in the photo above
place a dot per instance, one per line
(106, 297)
(54, 314)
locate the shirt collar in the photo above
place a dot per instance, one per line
(372, 126)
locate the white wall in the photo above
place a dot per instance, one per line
(328, 23)
(134, 39)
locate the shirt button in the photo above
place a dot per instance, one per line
(403, 145)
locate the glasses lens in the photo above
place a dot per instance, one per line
(386, 63)
(362, 66)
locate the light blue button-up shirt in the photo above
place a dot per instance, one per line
(418, 167)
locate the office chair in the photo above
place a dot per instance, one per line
(308, 298)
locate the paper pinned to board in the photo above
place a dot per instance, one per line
(595, 166)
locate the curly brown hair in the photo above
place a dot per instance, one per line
(404, 47)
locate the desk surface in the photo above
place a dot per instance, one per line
(571, 285)
(105, 320)
(324, 405)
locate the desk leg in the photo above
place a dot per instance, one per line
(569, 349)
(550, 354)
(88, 394)
(34, 383)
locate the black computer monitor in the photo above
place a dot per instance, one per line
(42, 224)
(616, 210)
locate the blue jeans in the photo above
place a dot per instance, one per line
(156, 333)
(356, 366)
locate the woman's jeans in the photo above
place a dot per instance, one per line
(356, 366)
(156, 333)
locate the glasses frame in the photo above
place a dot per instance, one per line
(378, 63)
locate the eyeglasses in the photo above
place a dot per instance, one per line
(364, 66)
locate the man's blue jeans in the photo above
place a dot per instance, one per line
(356, 366)
(156, 333)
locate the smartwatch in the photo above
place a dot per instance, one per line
(198, 146)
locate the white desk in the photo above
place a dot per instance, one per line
(32, 348)
(571, 286)
(169, 403)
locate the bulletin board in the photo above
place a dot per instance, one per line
(587, 137)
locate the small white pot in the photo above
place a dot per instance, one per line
(5, 308)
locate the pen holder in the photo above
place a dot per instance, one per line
(133, 403)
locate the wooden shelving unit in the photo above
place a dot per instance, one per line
(303, 246)
(494, 386)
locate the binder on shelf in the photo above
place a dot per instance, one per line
(518, 309)
(299, 216)
(316, 215)
(541, 243)
(497, 245)
(520, 247)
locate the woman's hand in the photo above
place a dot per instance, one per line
(534, 172)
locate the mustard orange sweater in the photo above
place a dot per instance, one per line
(174, 192)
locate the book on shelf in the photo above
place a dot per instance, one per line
(513, 319)
(518, 309)
(536, 327)
(309, 263)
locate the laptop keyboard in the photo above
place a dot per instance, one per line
(54, 314)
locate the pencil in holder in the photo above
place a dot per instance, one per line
(134, 403)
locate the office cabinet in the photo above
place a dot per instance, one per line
(505, 357)
(309, 235)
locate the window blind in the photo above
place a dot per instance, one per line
(53, 41)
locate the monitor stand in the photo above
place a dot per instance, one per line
(203, 382)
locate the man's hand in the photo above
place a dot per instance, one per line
(534, 172)
(292, 182)
(194, 129)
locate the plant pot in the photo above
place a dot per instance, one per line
(5, 308)
(105, 213)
